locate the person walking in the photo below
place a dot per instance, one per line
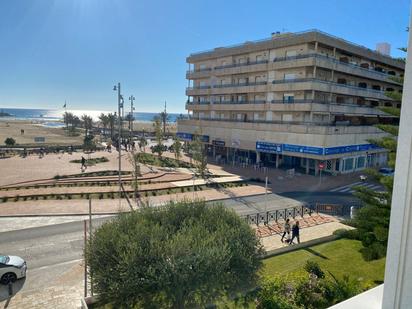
(83, 163)
(295, 233)
(286, 230)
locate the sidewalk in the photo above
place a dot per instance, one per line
(109, 206)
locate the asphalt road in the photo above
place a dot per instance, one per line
(53, 249)
(49, 251)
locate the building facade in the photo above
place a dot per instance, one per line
(305, 100)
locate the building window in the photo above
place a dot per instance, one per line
(288, 98)
(360, 162)
(289, 76)
(348, 164)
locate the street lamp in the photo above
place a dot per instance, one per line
(119, 138)
(131, 98)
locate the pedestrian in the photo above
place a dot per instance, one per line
(83, 163)
(286, 230)
(295, 233)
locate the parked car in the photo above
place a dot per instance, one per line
(387, 171)
(11, 268)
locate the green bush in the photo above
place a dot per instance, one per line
(184, 255)
(349, 234)
(373, 252)
(314, 268)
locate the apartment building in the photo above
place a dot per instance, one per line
(305, 100)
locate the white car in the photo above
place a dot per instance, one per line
(11, 268)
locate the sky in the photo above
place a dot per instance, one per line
(52, 51)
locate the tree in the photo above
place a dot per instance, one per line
(111, 118)
(142, 143)
(372, 219)
(158, 148)
(136, 172)
(104, 119)
(68, 119)
(10, 141)
(87, 123)
(177, 148)
(130, 119)
(184, 255)
(199, 155)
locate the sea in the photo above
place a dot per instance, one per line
(55, 115)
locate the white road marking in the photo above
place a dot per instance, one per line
(57, 264)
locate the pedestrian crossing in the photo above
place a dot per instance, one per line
(350, 187)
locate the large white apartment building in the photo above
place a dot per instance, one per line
(293, 100)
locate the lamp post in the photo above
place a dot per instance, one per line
(131, 98)
(119, 138)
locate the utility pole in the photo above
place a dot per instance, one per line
(164, 119)
(266, 200)
(131, 98)
(119, 139)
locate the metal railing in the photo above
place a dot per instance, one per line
(311, 79)
(234, 65)
(241, 84)
(286, 37)
(276, 215)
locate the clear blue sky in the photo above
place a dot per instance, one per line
(76, 50)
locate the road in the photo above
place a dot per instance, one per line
(50, 251)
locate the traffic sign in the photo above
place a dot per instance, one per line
(321, 165)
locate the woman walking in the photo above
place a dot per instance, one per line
(286, 230)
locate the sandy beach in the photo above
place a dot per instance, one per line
(32, 129)
(54, 135)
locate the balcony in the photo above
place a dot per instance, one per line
(326, 86)
(189, 122)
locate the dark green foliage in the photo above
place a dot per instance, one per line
(308, 292)
(314, 268)
(147, 158)
(184, 255)
(10, 141)
(92, 161)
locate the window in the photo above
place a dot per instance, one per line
(289, 76)
(288, 98)
(360, 162)
(291, 53)
(348, 164)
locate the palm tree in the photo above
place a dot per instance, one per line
(87, 123)
(68, 119)
(104, 119)
(111, 118)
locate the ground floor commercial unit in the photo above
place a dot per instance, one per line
(301, 153)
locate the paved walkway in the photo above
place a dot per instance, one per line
(105, 206)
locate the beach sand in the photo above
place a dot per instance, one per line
(54, 136)
(32, 129)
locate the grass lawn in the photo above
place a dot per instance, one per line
(340, 257)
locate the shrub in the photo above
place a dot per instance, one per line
(184, 255)
(314, 268)
(10, 141)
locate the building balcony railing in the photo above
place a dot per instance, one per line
(234, 65)
(310, 79)
(326, 124)
(297, 57)
(241, 84)
(198, 87)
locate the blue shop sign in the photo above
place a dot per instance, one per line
(349, 148)
(269, 147)
(189, 137)
(303, 149)
(184, 136)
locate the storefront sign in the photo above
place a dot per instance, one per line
(349, 148)
(218, 143)
(268, 147)
(303, 149)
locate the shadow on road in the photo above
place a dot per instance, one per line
(7, 292)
